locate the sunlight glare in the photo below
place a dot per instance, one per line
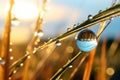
(24, 10)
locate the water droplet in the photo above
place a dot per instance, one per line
(39, 33)
(28, 57)
(68, 29)
(15, 21)
(58, 43)
(70, 66)
(10, 50)
(14, 71)
(100, 11)
(11, 57)
(10, 78)
(74, 25)
(86, 40)
(21, 64)
(34, 51)
(11, 43)
(90, 17)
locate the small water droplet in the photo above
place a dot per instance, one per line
(11, 43)
(39, 33)
(90, 17)
(15, 21)
(21, 64)
(74, 25)
(11, 57)
(70, 66)
(10, 78)
(100, 11)
(10, 50)
(29, 57)
(14, 71)
(58, 43)
(68, 29)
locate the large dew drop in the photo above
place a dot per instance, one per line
(86, 40)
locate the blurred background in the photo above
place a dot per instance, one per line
(59, 16)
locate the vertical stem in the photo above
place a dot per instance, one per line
(5, 41)
(31, 45)
(88, 67)
(103, 61)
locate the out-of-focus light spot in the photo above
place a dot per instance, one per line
(10, 78)
(14, 71)
(11, 43)
(110, 71)
(28, 57)
(11, 57)
(0, 58)
(24, 10)
(10, 50)
(69, 49)
(21, 64)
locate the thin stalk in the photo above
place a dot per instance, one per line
(31, 45)
(76, 69)
(65, 67)
(103, 62)
(89, 63)
(6, 41)
(102, 16)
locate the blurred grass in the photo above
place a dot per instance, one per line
(60, 56)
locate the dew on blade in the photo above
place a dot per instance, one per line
(86, 40)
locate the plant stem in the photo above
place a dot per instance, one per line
(6, 41)
(61, 70)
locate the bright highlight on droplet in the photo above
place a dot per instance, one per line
(110, 71)
(70, 66)
(58, 43)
